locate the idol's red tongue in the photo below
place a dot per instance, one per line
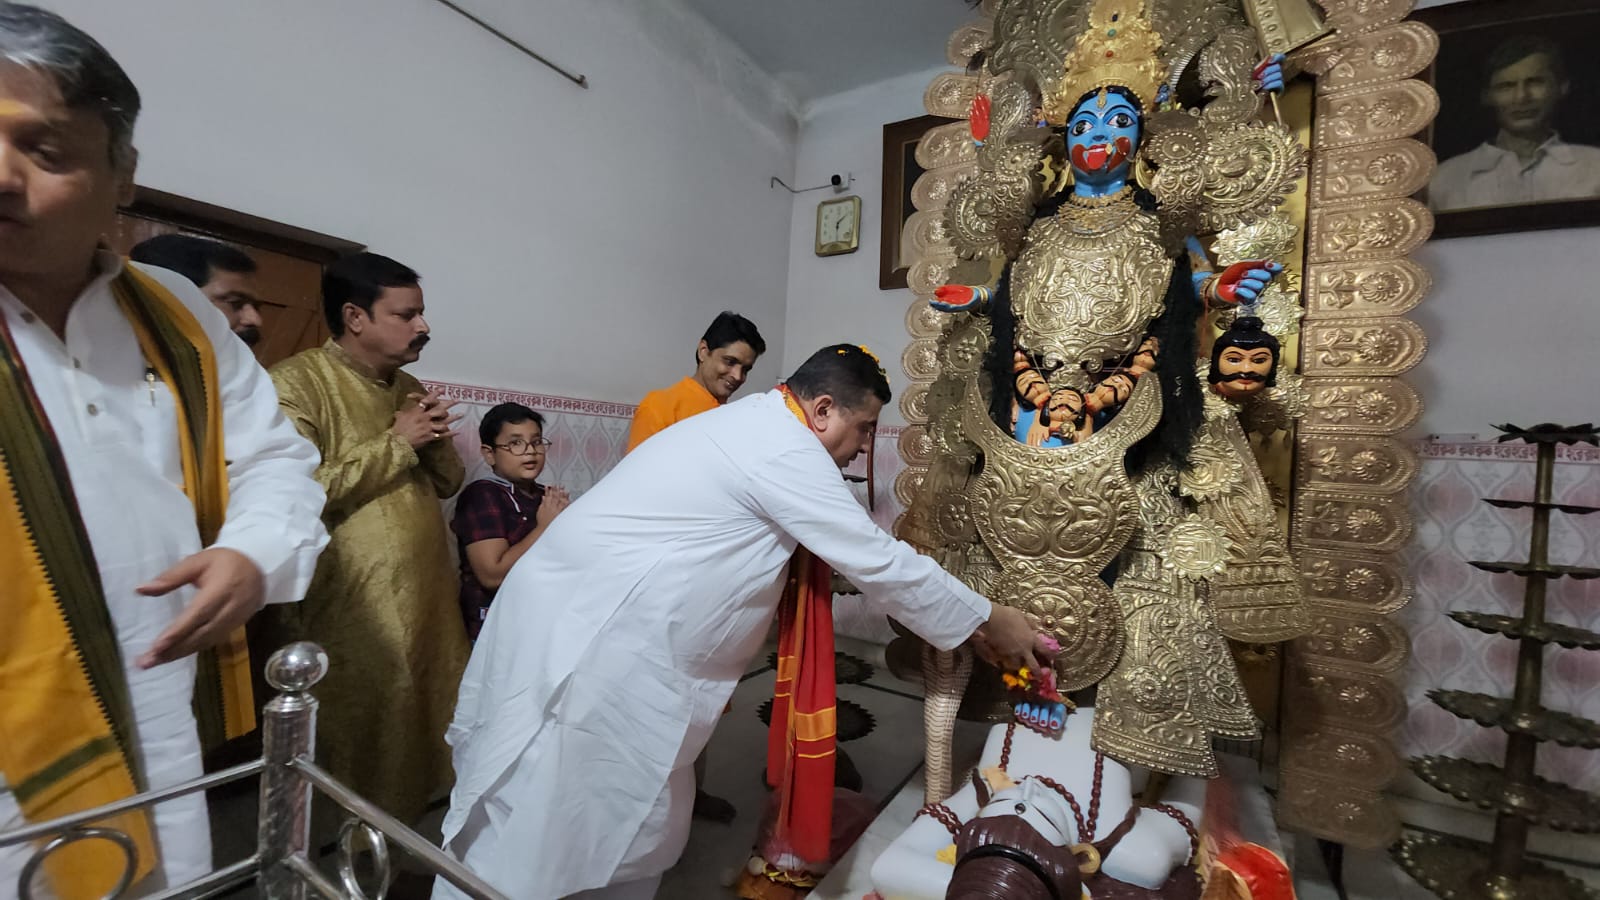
(1095, 157)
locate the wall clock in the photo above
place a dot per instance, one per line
(838, 226)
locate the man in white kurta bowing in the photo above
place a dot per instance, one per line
(616, 641)
(110, 497)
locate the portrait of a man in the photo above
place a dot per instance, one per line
(1518, 131)
(1525, 160)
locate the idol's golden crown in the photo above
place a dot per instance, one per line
(1118, 48)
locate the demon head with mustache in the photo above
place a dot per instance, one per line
(1244, 360)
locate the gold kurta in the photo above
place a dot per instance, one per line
(383, 599)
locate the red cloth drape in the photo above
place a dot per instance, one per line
(801, 739)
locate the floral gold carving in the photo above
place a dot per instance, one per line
(1055, 518)
(1197, 548)
(1370, 584)
(1085, 289)
(945, 145)
(1270, 237)
(933, 187)
(1376, 647)
(908, 485)
(916, 446)
(1361, 405)
(1248, 172)
(1213, 470)
(1398, 51)
(1370, 115)
(1365, 15)
(1377, 465)
(1279, 308)
(966, 42)
(921, 359)
(1174, 689)
(1385, 346)
(913, 402)
(1225, 69)
(1368, 230)
(1389, 170)
(1356, 521)
(1362, 700)
(950, 95)
(1370, 758)
(1379, 287)
(924, 321)
(928, 273)
(1325, 803)
(924, 234)
(1033, 39)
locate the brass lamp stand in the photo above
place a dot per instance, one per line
(1458, 868)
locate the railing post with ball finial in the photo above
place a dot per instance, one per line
(289, 731)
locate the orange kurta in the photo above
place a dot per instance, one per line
(668, 406)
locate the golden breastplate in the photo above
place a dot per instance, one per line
(1088, 282)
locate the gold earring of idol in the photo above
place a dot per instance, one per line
(1143, 173)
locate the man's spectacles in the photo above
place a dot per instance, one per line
(520, 447)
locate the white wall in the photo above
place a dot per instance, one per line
(571, 241)
(1513, 325)
(836, 299)
(1512, 322)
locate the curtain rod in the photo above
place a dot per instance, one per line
(579, 80)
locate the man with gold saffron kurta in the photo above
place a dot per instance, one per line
(152, 497)
(618, 638)
(383, 602)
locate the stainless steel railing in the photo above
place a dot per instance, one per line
(282, 864)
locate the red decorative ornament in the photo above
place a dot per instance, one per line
(978, 118)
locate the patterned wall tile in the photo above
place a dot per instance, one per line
(1454, 526)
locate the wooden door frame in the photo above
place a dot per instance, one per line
(237, 227)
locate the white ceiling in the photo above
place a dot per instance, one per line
(819, 47)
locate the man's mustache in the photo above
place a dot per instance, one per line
(250, 334)
(1244, 376)
(420, 342)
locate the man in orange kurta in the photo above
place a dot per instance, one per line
(722, 362)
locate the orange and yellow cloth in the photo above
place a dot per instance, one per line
(802, 737)
(66, 722)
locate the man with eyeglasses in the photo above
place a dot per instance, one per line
(499, 518)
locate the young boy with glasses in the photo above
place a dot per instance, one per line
(499, 517)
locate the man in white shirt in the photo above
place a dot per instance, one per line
(152, 496)
(615, 642)
(1526, 161)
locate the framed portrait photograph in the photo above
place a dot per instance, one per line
(1518, 131)
(900, 172)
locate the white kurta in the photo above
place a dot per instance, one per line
(614, 643)
(119, 435)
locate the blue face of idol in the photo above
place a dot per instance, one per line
(1101, 139)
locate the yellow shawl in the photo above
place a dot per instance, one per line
(66, 722)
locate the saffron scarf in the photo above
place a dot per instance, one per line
(801, 739)
(66, 720)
